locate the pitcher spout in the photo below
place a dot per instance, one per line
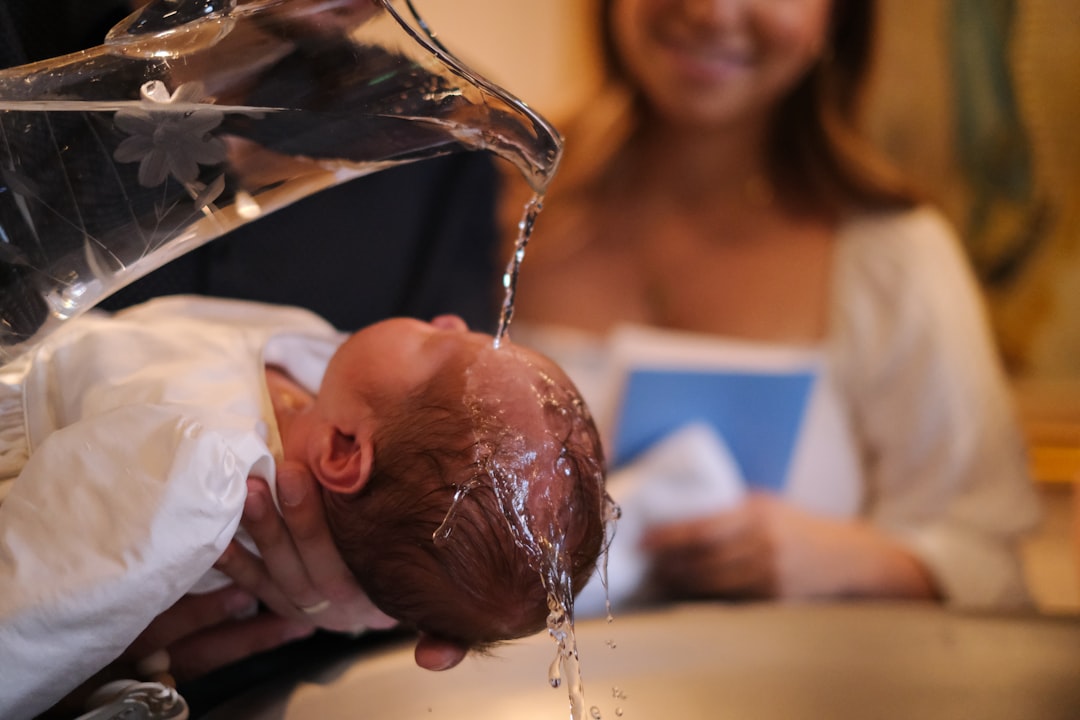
(500, 122)
(197, 116)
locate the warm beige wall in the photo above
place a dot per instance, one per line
(536, 49)
(1037, 315)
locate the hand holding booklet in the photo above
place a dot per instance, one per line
(694, 423)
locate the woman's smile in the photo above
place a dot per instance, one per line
(707, 62)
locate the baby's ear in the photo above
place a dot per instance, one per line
(342, 462)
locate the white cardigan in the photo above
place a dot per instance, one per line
(943, 458)
(909, 424)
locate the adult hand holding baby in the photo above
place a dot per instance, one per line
(203, 633)
(301, 575)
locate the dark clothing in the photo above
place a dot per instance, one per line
(414, 240)
(32, 30)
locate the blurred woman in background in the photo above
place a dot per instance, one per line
(718, 190)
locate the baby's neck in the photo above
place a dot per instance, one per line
(292, 404)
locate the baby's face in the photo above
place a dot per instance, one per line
(394, 358)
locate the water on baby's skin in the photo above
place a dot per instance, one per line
(522, 469)
(565, 668)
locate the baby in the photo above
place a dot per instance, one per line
(452, 473)
(463, 483)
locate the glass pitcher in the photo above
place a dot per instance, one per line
(197, 116)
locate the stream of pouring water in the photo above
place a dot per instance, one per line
(513, 267)
(544, 544)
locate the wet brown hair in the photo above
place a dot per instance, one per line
(477, 587)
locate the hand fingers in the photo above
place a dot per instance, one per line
(191, 614)
(301, 572)
(214, 648)
(700, 532)
(280, 556)
(305, 519)
(249, 573)
(435, 654)
(744, 570)
(724, 555)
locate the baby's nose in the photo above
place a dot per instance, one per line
(449, 322)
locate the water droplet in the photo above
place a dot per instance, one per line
(618, 712)
(554, 675)
(595, 712)
(443, 532)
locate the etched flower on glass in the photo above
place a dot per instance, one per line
(173, 140)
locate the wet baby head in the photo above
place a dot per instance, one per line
(485, 496)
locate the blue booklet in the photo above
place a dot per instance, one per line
(758, 415)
